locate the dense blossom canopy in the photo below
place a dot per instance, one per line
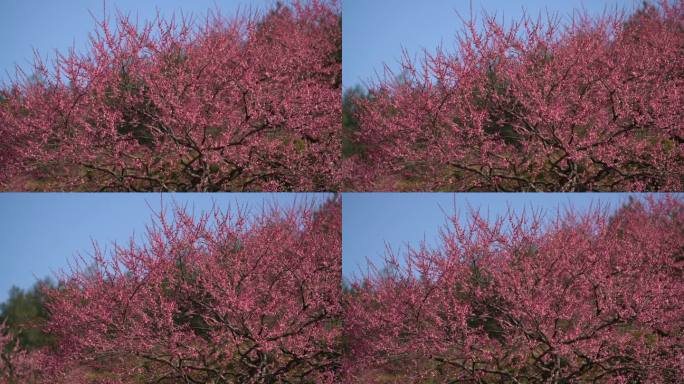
(588, 103)
(244, 103)
(218, 298)
(582, 298)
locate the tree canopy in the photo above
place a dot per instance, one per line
(547, 104)
(249, 103)
(214, 298)
(580, 298)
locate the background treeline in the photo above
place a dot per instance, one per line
(25, 314)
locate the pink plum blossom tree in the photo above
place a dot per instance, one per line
(581, 298)
(244, 103)
(547, 104)
(215, 298)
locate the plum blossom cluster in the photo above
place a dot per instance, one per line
(546, 104)
(581, 298)
(250, 102)
(218, 298)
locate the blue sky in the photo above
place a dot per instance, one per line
(49, 25)
(370, 221)
(374, 31)
(40, 232)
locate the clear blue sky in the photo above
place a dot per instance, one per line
(49, 25)
(370, 221)
(374, 31)
(40, 232)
